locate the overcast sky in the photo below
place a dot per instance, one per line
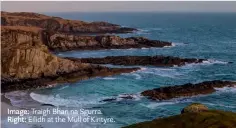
(121, 6)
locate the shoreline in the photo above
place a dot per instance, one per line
(5, 104)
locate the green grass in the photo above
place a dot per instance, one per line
(206, 119)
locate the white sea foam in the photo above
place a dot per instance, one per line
(153, 105)
(212, 61)
(121, 97)
(137, 76)
(205, 62)
(21, 99)
(59, 101)
(226, 89)
(172, 45)
(164, 72)
(218, 104)
(109, 78)
(63, 87)
(134, 96)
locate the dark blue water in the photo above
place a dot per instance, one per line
(210, 36)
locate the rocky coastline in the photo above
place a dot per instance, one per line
(27, 62)
(177, 91)
(186, 90)
(160, 61)
(65, 42)
(29, 38)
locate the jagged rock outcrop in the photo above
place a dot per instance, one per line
(140, 60)
(65, 42)
(27, 62)
(166, 93)
(60, 24)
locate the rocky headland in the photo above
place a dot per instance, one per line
(65, 42)
(161, 61)
(197, 116)
(27, 40)
(57, 24)
(28, 63)
(186, 90)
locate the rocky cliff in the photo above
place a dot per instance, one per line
(59, 24)
(62, 34)
(26, 60)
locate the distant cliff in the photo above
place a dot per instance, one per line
(59, 24)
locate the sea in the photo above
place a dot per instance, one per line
(210, 36)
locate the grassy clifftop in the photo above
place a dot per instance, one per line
(197, 116)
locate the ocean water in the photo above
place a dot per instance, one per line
(209, 36)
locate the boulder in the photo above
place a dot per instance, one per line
(194, 107)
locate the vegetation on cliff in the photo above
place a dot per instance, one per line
(201, 119)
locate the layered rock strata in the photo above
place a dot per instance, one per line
(65, 42)
(27, 62)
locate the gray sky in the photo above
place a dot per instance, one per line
(120, 6)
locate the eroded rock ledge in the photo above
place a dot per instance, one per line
(165, 61)
(166, 93)
(65, 42)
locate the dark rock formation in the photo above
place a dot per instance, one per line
(50, 105)
(120, 97)
(141, 60)
(65, 42)
(60, 24)
(202, 119)
(166, 93)
(27, 62)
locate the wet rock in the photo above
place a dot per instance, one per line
(165, 61)
(120, 97)
(108, 100)
(48, 105)
(166, 93)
